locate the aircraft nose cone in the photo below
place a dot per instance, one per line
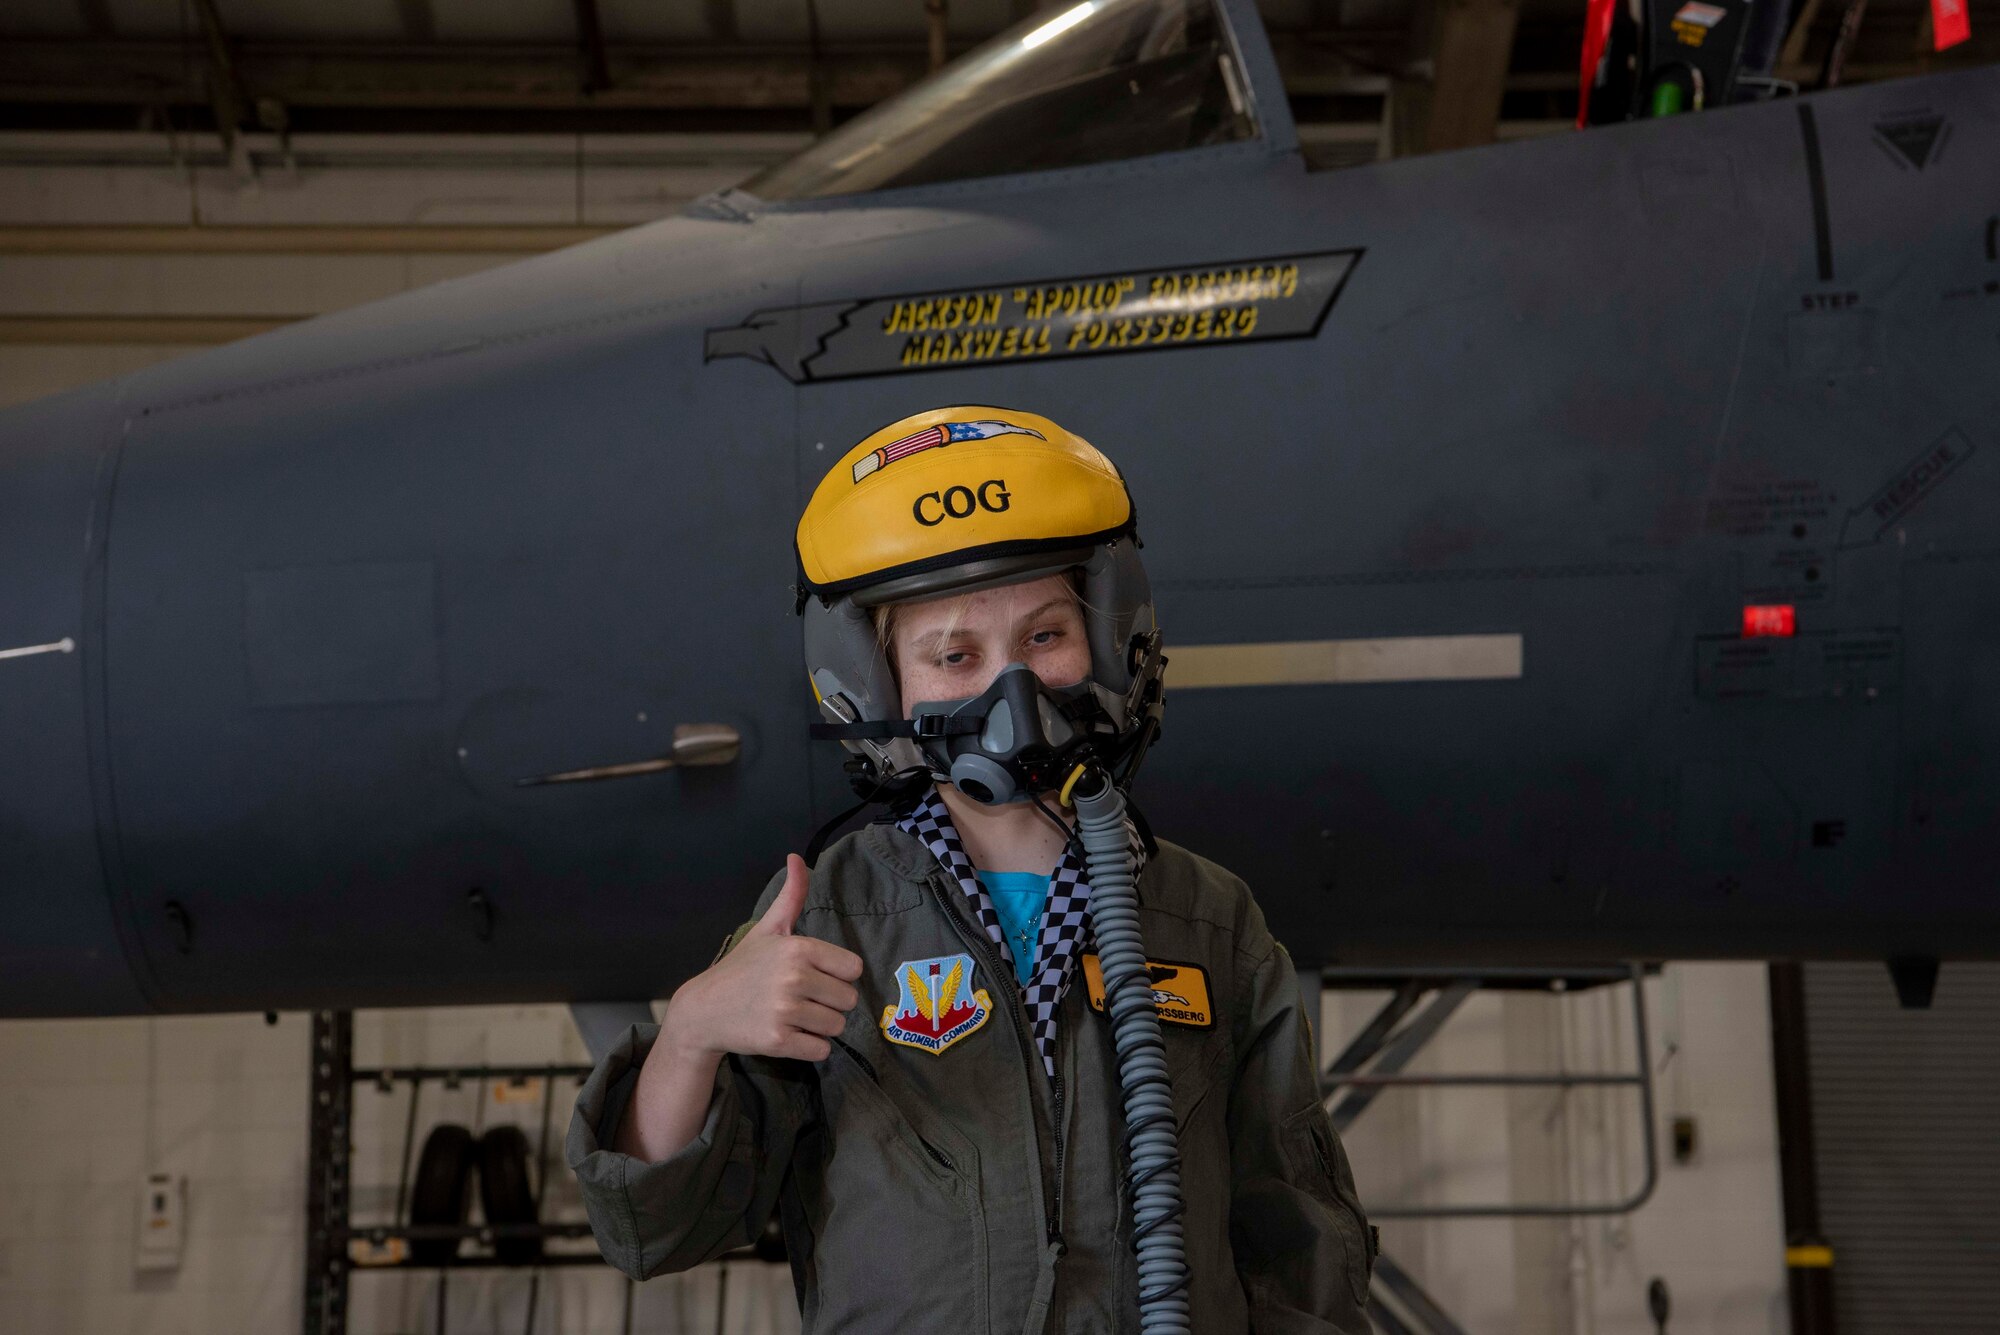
(60, 951)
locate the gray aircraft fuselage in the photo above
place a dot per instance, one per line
(1578, 402)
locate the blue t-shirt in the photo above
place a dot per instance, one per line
(1018, 897)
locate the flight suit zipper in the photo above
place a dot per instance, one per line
(1017, 1016)
(1056, 1229)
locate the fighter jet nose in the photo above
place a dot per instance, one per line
(60, 951)
(319, 601)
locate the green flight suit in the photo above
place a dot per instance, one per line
(937, 1191)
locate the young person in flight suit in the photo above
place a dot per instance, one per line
(904, 1053)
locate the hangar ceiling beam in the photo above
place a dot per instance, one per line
(432, 75)
(136, 330)
(590, 47)
(1315, 64)
(934, 25)
(721, 16)
(475, 77)
(225, 84)
(1471, 46)
(1474, 49)
(96, 15)
(1844, 39)
(819, 80)
(38, 76)
(1794, 51)
(294, 239)
(418, 20)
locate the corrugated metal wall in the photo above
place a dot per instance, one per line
(1906, 1109)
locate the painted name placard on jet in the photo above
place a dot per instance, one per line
(1145, 310)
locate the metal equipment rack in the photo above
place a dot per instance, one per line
(1392, 1038)
(329, 1229)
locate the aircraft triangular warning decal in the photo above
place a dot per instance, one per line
(1914, 137)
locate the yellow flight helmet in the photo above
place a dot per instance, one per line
(958, 499)
(950, 487)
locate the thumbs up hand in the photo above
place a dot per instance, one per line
(774, 995)
(784, 910)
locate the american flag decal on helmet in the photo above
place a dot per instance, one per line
(930, 438)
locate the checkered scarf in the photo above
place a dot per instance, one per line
(1065, 919)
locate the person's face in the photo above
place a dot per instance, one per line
(953, 647)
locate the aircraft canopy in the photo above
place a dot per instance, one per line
(1098, 81)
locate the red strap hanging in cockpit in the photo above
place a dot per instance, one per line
(1596, 35)
(1950, 24)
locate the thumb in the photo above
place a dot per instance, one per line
(784, 910)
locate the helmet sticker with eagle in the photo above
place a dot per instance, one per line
(931, 437)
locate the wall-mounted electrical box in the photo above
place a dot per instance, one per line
(162, 1221)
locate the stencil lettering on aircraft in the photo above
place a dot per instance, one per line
(1917, 479)
(1852, 665)
(1760, 508)
(1139, 311)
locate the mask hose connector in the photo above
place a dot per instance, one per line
(1151, 1132)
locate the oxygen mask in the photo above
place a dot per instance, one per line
(1016, 738)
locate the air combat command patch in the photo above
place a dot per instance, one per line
(936, 1005)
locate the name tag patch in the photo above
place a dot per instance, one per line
(936, 1004)
(1179, 990)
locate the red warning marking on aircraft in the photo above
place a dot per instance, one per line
(1778, 619)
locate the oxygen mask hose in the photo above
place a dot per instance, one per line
(1152, 1136)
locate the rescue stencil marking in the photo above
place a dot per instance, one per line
(936, 1004)
(1345, 662)
(1143, 310)
(1911, 484)
(1180, 991)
